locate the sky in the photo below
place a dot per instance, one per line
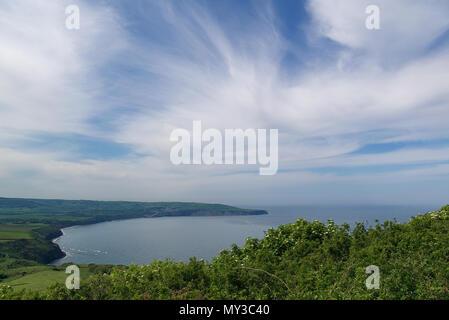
(362, 114)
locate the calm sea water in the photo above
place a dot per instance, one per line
(178, 238)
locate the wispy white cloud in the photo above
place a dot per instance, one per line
(377, 87)
(408, 28)
(48, 74)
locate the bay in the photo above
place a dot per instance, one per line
(141, 241)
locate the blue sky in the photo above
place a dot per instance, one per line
(362, 114)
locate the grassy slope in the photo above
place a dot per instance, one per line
(17, 231)
(40, 277)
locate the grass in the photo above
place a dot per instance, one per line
(41, 277)
(16, 232)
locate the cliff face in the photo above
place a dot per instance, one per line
(52, 253)
(39, 250)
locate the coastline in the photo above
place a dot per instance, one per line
(64, 254)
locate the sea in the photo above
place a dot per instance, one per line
(141, 241)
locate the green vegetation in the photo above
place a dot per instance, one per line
(301, 260)
(20, 275)
(39, 277)
(14, 232)
(71, 212)
(10, 232)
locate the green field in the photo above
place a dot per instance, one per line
(17, 231)
(41, 277)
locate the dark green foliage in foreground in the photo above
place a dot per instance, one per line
(302, 260)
